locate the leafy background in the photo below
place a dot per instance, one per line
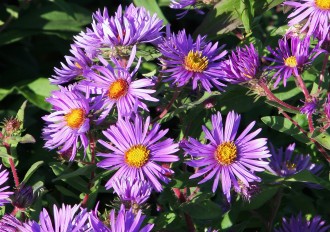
(35, 36)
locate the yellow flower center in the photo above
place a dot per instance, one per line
(75, 118)
(323, 4)
(226, 153)
(195, 62)
(291, 62)
(118, 89)
(137, 156)
(290, 166)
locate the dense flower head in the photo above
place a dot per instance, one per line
(132, 191)
(126, 220)
(132, 26)
(298, 223)
(75, 66)
(291, 56)
(285, 163)
(4, 195)
(23, 197)
(117, 87)
(135, 151)
(243, 64)
(309, 107)
(68, 123)
(315, 12)
(231, 160)
(185, 60)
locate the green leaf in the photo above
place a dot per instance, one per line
(323, 139)
(34, 98)
(152, 6)
(20, 114)
(66, 192)
(32, 170)
(261, 198)
(50, 17)
(284, 125)
(246, 14)
(209, 209)
(223, 18)
(307, 177)
(5, 92)
(27, 138)
(13, 11)
(42, 87)
(82, 171)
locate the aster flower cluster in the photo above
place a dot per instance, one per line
(103, 109)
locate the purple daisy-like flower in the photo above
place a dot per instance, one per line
(117, 87)
(4, 195)
(290, 58)
(132, 26)
(132, 191)
(185, 60)
(242, 65)
(181, 4)
(67, 218)
(75, 66)
(68, 124)
(9, 223)
(317, 13)
(126, 220)
(227, 158)
(284, 163)
(135, 151)
(316, 224)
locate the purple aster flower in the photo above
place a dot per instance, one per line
(309, 107)
(68, 124)
(181, 4)
(9, 223)
(133, 26)
(284, 163)
(4, 195)
(290, 58)
(242, 65)
(317, 13)
(132, 191)
(117, 87)
(135, 151)
(227, 158)
(75, 66)
(247, 192)
(185, 60)
(126, 220)
(316, 224)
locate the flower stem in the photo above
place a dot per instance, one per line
(13, 170)
(167, 108)
(319, 146)
(303, 87)
(272, 97)
(277, 203)
(324, 67)
(188, 219)
(92, 148)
